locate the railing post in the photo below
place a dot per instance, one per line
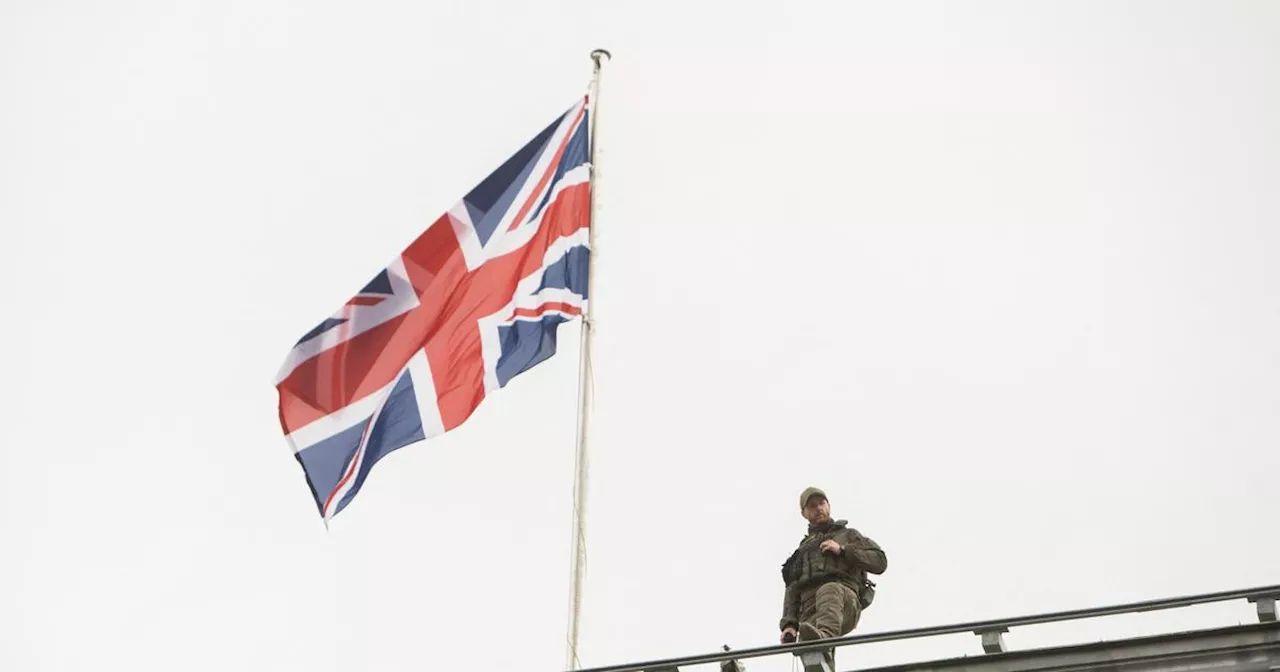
(992, 639)
(1266, 608)
(818, 661)
(731, 665)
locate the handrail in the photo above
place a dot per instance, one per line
(936, 630)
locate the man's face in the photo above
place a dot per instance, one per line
(817, 510)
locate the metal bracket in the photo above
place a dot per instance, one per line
(1266, 608)
(992, 640)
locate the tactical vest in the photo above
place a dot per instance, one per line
(808, 565)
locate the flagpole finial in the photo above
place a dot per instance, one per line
(598, 53)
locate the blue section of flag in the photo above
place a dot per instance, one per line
(525, 343)
(569, 273)
(490, 200)
(399, 425)
(324, 462)
(328, 324)
(380, 284)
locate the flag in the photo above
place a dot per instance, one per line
(470, 304)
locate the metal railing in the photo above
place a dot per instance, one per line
(1265, 597)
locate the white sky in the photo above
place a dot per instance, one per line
(997, 275)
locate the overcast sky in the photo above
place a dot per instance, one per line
(999, 276)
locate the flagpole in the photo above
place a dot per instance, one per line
(572, 661)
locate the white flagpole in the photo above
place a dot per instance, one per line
(584, 384)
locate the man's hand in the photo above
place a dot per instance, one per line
(830, 546)
(789, 635)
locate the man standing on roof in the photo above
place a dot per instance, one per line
(826, 577)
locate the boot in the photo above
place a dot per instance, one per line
(809, 631)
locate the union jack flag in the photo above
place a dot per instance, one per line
(474, 301)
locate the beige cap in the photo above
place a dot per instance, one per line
(809, 492)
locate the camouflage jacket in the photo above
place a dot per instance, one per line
(808, 567)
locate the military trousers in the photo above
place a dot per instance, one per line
(831, 610)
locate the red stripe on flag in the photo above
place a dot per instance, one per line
(550, 305)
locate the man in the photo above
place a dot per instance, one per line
(826, 575)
